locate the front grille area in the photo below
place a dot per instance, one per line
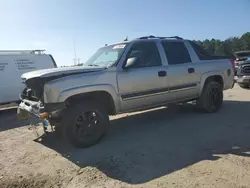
(246, 69)
(34, 89)
(29, 94)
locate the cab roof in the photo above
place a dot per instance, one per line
(150, 37)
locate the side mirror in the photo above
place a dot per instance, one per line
(130, 62)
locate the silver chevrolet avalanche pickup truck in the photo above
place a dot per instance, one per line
(129, 76)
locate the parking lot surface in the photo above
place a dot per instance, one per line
(176, 147)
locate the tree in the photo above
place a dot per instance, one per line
(245, 39)
(228, 46)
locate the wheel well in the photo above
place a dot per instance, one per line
(215, 78)
(100, 97)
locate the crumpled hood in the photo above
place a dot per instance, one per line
(45, 73)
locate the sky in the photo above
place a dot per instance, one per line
(53, 24)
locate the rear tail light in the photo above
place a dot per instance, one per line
(233, 64)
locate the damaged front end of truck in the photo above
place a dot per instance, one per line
(34, 104)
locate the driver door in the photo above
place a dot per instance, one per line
(144, 84)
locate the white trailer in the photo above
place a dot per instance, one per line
(13, 63)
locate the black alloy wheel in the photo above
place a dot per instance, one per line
(88, 126)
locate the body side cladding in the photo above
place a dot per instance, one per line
(158, 91)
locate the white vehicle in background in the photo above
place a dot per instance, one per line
(13, 63)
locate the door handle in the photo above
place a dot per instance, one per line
(162, 73)
(191, 70)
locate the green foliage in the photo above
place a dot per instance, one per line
(228, 46)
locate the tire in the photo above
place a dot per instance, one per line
(211, 98)
(84, 124)
(245, 86)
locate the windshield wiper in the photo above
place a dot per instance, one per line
(94, 65)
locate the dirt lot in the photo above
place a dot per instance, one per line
(158, 148)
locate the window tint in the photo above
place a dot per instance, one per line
(176, 52)
(201, 53)
(147, 54)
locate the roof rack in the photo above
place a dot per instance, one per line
(153, 37)
(4, 52)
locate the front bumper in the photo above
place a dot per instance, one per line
(243, 79)
(28, 109)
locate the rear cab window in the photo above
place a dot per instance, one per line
(176, 52)
(200, 51)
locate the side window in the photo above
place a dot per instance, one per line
(176, 52)
(147, 54)
(201, 53)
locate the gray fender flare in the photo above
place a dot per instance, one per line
(205, 75)
(64, 95)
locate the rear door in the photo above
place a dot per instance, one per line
(182, 78)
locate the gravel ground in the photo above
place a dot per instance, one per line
(162, 147)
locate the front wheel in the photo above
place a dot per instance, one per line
(211, 98)
(85, 124)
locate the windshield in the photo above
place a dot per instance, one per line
(107, 55)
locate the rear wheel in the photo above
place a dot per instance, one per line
(85, 124)
(245, 86)
(211, 98)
